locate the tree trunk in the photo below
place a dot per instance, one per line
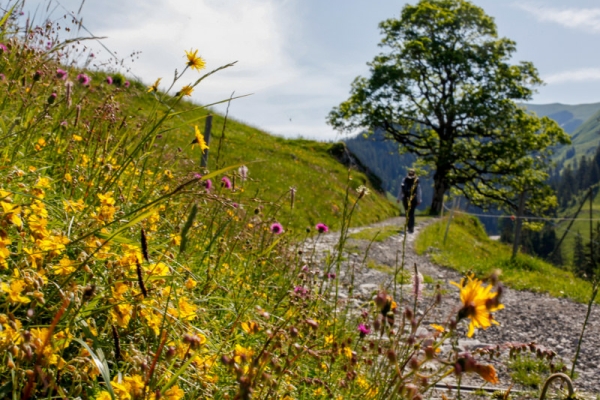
(439, 190)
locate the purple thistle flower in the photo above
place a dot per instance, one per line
(126, 84)
(3, 48)
(109, 80)
(208, 184)
(197, 176)
(226, 183)
(84, 79)
(61, 74)
(331, 275)
(2, 77)
(322, 228)
(300, 291)
(363, 330)
(277, 228)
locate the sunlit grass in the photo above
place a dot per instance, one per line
(468, 249)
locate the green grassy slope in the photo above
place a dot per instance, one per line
(275, 165)
(585, 139)
(468, 249)
(582, 226)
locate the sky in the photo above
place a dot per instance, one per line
(298, 58)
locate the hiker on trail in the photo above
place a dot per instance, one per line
(410, 194)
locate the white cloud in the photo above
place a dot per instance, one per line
(259, 34)
(574, 76)
(576, 18)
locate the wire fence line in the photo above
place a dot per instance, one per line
(513, 217)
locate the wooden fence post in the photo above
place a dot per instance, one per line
(207, 128)
(449, 219)
(518, 225)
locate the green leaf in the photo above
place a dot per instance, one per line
(186, 228)
(101, 364)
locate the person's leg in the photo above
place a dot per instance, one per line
(406, 211)
(411, 216)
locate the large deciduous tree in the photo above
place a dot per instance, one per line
(446, 91)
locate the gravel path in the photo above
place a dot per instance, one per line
(551, 323)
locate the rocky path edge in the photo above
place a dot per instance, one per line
(552, 323)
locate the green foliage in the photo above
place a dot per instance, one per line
(446, 92)
(531, 371)
(469, 249)
(379, 234)
(403, 277)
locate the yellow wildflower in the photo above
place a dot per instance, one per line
(174, 393)
(134, 385)
(250, 327)
(185, 91)
(103, 395)
(106, 199)
(158, 269)
(51, 244)
(478, 304)
(41, 143)
(4, 252)
(64, 267)
(14, 291)
(154, 87)
(43, 183)
(119, 291)
(190, 283)
(73, 206)
(347, 352)
(194, 61)
(199, 139)
(186, 310)
(11, 213)
(38, 224)
(121, 314)
(77, 138)
(242, 353)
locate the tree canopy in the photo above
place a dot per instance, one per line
(445, 90)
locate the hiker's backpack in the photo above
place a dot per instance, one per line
(407, 187)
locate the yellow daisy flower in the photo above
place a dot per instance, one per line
(478, 304)
(194, 61)
(185, 91)
(199, 140)
(154, 87)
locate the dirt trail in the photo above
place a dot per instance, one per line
(528, 317)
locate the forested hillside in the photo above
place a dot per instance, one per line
(382, 157)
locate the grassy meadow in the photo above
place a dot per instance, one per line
(127, 271)
(468, 249)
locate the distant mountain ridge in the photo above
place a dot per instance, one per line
(569, 117)
(581, 121)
